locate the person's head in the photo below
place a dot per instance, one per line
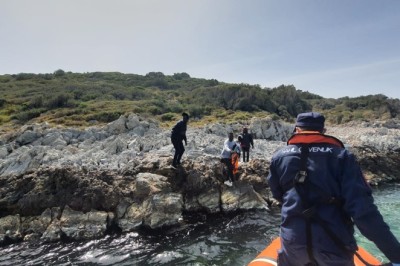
(240, 138)
(311, 121)
(185, 117)
(230, 136)
(245, 130)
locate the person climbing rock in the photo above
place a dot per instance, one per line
(230, 147)
(178, 135)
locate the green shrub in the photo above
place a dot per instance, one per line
(36, 102)
(154, 110)
(180, 76)
(25, 116)
(176, 108)
(59, 73)
(120, 94)
(24, 76)
(2, 103)
(167, 117)
(59, 101)
(104, 116)
(26, 95)
(275, 117)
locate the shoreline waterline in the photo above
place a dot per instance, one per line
(212, 240)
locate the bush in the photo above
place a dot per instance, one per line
(36, 102)
(180, 76)
(167, 117)
(154, 110)
(159, 82)
(2, 103)
(46, 76)
(59, 73)
(275, 117)
(24, 76)
(104, 116)
(23, 117)
(119, 94)
(59, 101)
(176, 108)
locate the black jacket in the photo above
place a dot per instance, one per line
(179, 131)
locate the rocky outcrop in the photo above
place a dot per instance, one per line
(376, 146)
(63, 183)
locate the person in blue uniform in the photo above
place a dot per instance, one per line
(323, 195)
(178, 135)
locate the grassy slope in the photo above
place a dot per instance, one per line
(83, 99)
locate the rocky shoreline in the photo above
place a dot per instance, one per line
(66, 183)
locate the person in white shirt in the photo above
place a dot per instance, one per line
(230, 146)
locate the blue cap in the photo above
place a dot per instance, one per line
(311, 120)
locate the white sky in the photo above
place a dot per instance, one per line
(333, 48)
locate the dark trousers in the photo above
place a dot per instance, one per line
(179, 150)
(229, 166)
(246, 153)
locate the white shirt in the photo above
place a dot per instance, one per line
(228, 148)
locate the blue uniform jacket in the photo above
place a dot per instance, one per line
(335, 171)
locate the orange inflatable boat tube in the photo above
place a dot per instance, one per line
(268, 257)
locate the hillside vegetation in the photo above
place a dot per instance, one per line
(82, 99)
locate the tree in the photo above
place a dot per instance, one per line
(180, 76)
(154, 75)
(59, 73)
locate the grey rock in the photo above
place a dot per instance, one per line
(133, 121)
(53, 232)
(18, 163)
(53, 139)
(242, 197)
(3, 152)
(163, 209)
(27, 137)
(210, 200)
(78, 226)
(148, 184)
(132, 219)
(121, 174)
(115, 146)
(269, 129)
(118, 126)
(33, 227)
(10, 227)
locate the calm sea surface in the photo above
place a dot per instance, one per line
(211, 240)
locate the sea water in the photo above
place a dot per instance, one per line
(231, 239)
(387, 199)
